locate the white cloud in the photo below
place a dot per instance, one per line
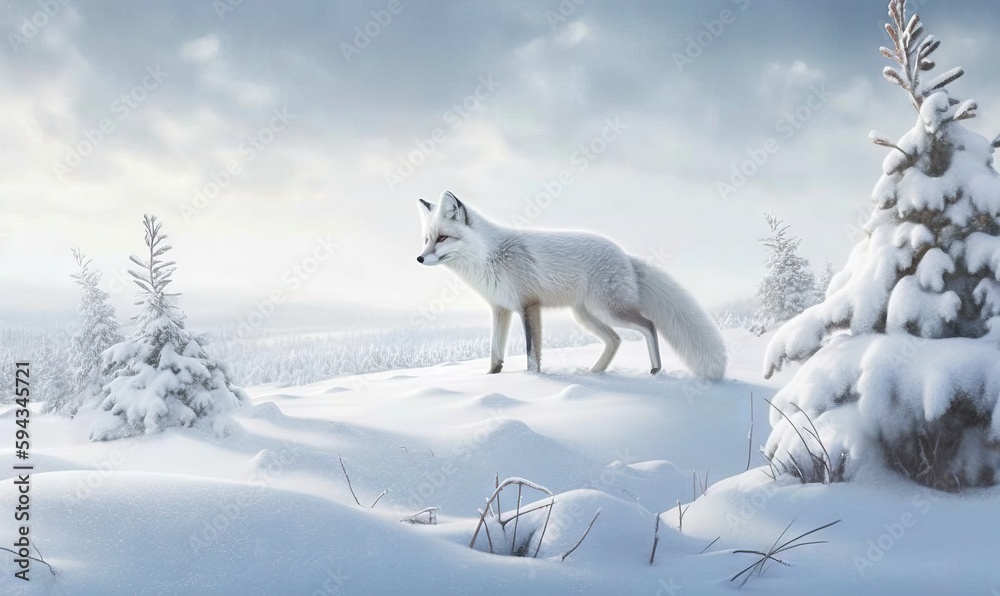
(572, 34)
(216, 72)
(202, 49)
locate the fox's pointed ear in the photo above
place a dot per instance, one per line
(425, 210)
(453, 208)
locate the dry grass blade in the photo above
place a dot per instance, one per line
(825, 461)
(709, 545)
(815, 433)
(776, 549)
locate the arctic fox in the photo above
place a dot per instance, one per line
(521, 271)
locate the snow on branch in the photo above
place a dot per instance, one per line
(911, 51)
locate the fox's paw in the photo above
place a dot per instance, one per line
(654, 371)
(495, 368)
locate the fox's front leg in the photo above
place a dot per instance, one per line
(532, 317)
(501, 325)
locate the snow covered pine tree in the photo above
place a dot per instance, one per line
(914, 381)
(98, 332)
(788, 287)
(164, 376)
(823, 283)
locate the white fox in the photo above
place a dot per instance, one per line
(521, 271)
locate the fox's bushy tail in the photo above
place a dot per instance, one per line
(688, 329)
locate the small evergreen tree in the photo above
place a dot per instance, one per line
(97, 333)
(788, 287)
(52, 380)
(823, 283)
(916, 381)
(164, 377)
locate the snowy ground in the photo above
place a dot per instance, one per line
(267, 509)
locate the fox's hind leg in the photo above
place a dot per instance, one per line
(531, 315)
(604, 332)
(633, 319)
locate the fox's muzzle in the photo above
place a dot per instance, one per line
(428, 257)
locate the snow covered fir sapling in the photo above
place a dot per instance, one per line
(901, 359)
(788, 287)
(164, 376)
(98, 331)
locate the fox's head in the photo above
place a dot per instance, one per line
(446, 228)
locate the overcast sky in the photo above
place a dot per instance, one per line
(334, 117)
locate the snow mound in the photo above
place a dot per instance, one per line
(493, 400)
(267, 410)
(572, 392)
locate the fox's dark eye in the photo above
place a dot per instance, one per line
(442, 238)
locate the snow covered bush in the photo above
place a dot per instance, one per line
(164, 376)
(788, 287)
(98, 332)
(902, 357)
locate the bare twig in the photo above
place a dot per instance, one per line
(750, 433)
(656, 539)
(517, 510)
(545, 527)
(580, 541)
(504, 522)
(372, 506)
(416, 519)
(489, 539)
(348, 480)
(680, 516)
(496, 494)
(52, 569)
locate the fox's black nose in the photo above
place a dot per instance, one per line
(420, 259)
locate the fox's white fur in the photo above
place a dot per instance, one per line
(521, 271)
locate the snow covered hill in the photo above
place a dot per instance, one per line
(267, 509)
